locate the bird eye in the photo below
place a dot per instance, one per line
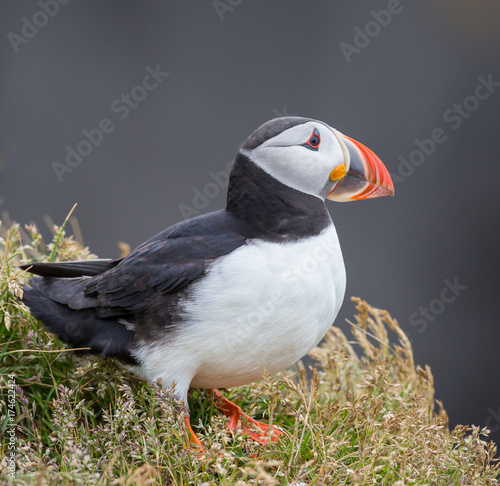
(314, 141)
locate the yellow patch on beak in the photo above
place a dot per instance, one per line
(338, 173)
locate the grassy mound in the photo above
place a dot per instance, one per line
(366, 415)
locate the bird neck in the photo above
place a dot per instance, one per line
(271, 208)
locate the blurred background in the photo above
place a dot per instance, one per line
(88, 114)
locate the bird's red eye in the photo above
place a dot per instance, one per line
(314, 141)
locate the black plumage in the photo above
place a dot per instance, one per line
(80, 329)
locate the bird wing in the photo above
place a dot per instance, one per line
(164, 264)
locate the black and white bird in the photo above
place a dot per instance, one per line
(213, 301)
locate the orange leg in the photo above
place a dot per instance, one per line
(235, 413)
(193, 439)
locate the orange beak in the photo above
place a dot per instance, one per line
(366, 178)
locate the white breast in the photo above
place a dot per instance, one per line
(265, 305)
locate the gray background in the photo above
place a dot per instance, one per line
(227, 76)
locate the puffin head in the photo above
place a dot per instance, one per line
(314, 158)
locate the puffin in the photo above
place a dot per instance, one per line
(217, 300)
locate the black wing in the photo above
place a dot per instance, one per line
(107, 305)
(164, 264)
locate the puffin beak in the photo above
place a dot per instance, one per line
(367, 176)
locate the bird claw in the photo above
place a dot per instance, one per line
(249, 425)
(272, 433)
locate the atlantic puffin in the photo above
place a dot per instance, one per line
(213, 301)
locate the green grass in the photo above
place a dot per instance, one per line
(366, 415)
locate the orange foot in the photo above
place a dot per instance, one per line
(235, 413)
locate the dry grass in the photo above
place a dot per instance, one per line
(366, 415)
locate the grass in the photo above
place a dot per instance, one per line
(366, 415)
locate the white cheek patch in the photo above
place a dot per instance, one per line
(286, 159)
(289, 165)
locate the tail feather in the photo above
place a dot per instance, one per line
(83, 268)
(81, 328)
